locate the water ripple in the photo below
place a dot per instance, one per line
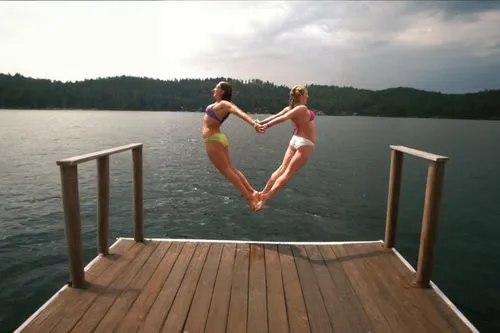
(339, 195)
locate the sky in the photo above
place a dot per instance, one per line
(452, 47)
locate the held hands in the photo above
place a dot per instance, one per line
(259, 128)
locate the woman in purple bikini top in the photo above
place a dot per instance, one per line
(217, 144)
(210, 112)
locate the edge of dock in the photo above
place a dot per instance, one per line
(438, 291)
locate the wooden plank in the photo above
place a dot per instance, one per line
(364, 288)
(89, 316)
(298, 322)
(257, 304)
(351, 306)
(92, 156)
(197, 316)
(419, 301)
(316, 311)
(343, 317)
(72, 309)
(388, 298)
(49, 316)
(277, 315)
(237, 317)
(216, 287)
(161, 306)
(381, 267)
(443, 311)
(218, 313)
(420, 153)
(148, 295)
(127, 297)
(180, 307)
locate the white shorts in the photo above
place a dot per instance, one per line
(297, 141)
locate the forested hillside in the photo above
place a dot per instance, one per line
(254, 96)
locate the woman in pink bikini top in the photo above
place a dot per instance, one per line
(296, 122)
(301, 144)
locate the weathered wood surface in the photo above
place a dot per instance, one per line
(420, 153)
(95, 155)
(175, 286)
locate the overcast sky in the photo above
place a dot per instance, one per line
(445, 46)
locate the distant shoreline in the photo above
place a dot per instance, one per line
(328, 115)
(126, 93)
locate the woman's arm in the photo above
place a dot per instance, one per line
(232, 108)
(268, 119)
(287, 115)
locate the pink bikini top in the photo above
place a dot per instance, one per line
(311, 115)
(311, 118)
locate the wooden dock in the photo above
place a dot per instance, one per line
(207, 286)
(188, 286)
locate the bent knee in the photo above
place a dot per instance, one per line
(225, 170)
(230, 169)
(287, 175)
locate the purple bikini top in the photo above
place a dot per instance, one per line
(210, 112)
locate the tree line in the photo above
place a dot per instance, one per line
(254, 96)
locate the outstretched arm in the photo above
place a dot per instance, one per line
(232, 108)
(287, 115)
(268, 119)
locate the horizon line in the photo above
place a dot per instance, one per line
(229, 78)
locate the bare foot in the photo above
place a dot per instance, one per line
(262, 202)
(251, 204)
(253, 200)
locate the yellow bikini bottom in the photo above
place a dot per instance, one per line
(218, 137)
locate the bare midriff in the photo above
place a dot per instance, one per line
(305, 128)
(210, 127)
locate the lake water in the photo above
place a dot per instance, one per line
(341, 194)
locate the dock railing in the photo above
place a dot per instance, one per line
(72, 219)
(71, 205)
(432, 206)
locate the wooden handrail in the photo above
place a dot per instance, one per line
(432, 205)
(71, 205)
(92, 156)
(420, 153)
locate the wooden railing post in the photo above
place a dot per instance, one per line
(391, 220)
(71, 204)
(103, 204)
(432, 206)
(73, 227)
(138, 195)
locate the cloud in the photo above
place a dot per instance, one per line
(373, 45)
(461, 10)
(446, 46)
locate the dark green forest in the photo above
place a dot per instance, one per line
(253, 96)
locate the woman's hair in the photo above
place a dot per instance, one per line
(227, 91)
(295, 93)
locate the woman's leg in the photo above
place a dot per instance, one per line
(240, 174)
(276, 174)
(219, 157)
(299, 159)
(243, 179)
